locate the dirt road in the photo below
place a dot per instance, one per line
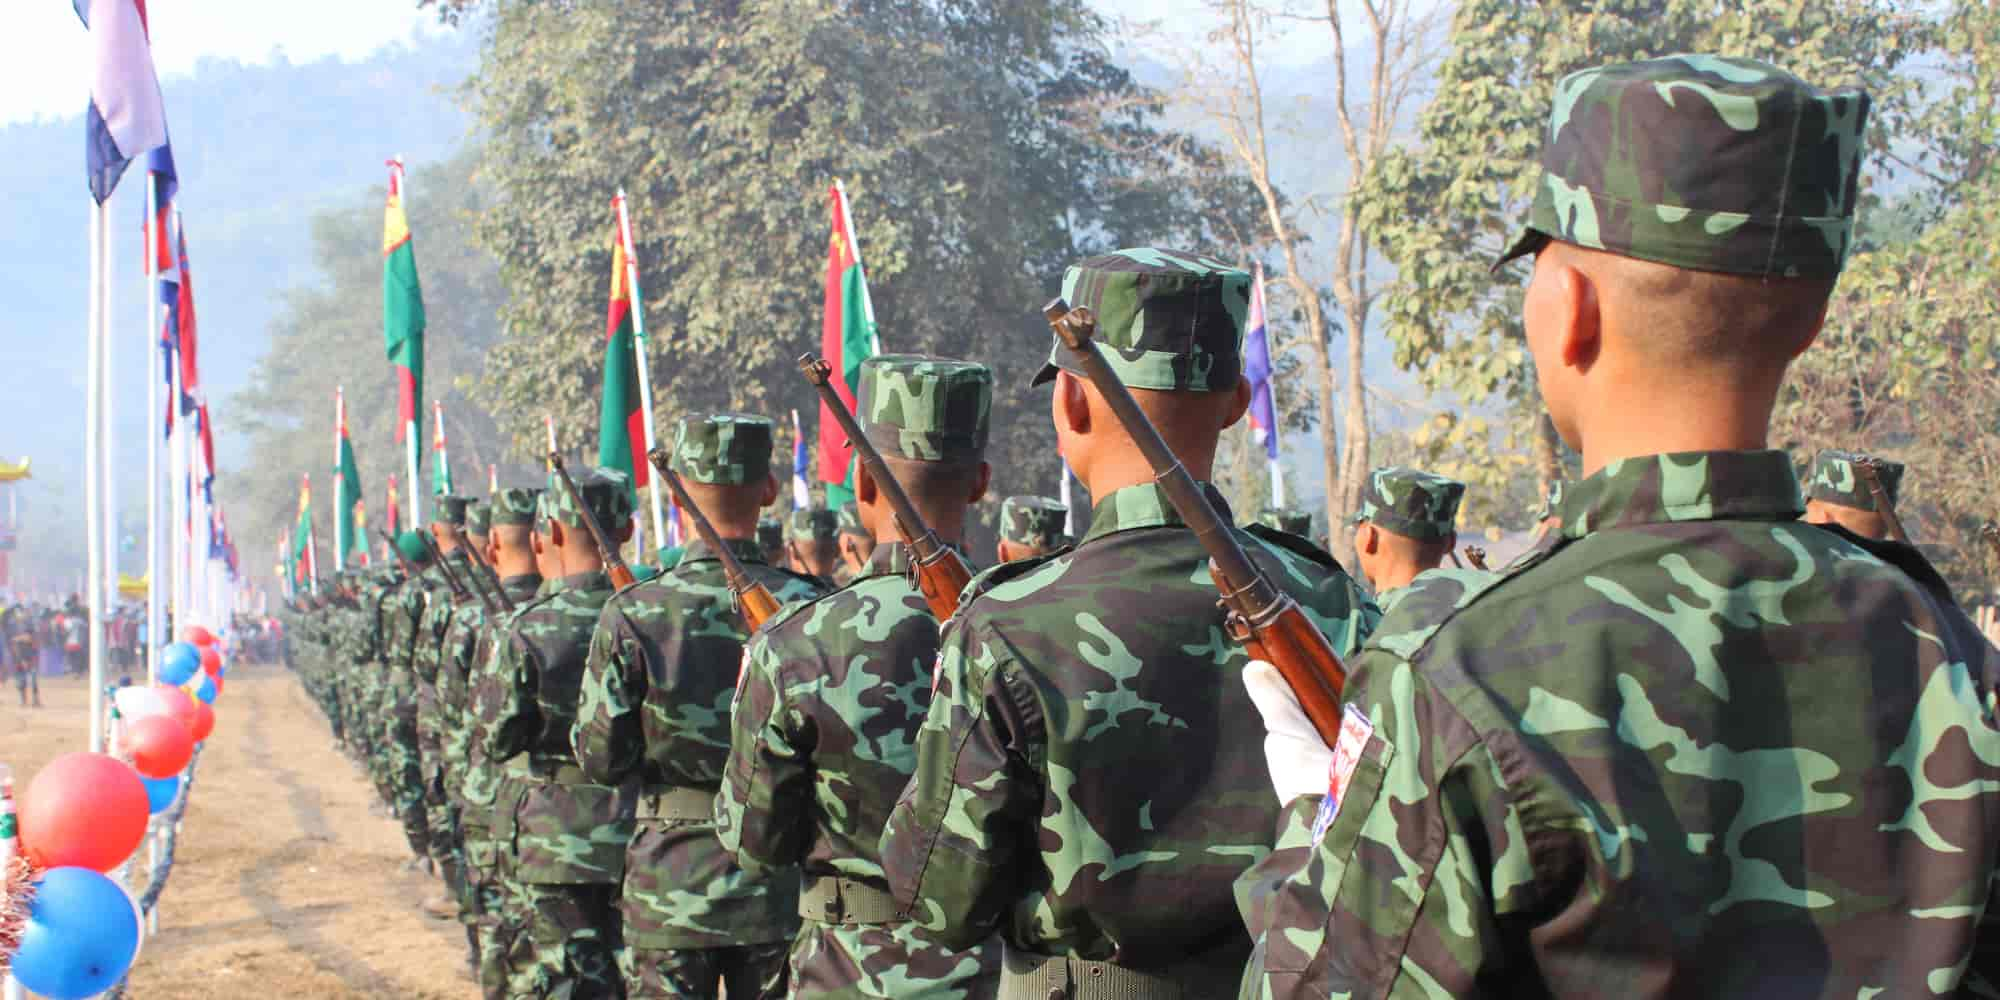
(284, 886)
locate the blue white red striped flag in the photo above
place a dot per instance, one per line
(126, 116)
(1257, 369)
(801, 467)
(184, 329)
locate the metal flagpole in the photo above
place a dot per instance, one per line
(154, 599)
(639, 349)
(1277, 481)
(93, 473)
(108, 446)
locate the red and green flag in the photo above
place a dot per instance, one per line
(621, 415)
(847, 338)
(349, 544)
(392, 514)
(304, 568)
(403, 320)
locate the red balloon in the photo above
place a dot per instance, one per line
(180, 704)
(211, 661)
(218, 687)
(197, 635)
(160, 746)
(204, 717)
(83, 809)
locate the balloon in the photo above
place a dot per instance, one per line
(161, 793)
(198, 635)
(203, 689)
(81, 936)
(204, 717)
(135, 702)
(180, 704)
(211, 661)
(179, 662)
(218, 684)
(160, 746)
(83, 809)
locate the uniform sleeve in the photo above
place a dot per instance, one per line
(607, 736)
(959, 832)
(761, 812)
(519, 718)
(1391, 881)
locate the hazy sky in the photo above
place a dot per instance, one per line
(44, 54)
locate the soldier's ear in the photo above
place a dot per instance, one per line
(1072, 404)
(1239, 403)
(556, 534)
(769, 494)
(980, 483)
(864, 485)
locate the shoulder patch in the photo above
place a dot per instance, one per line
(1302, 547)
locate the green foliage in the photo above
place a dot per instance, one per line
(974, 141)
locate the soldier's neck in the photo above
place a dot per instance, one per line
(1656, 413)
(1115, 470)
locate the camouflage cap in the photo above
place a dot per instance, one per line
(1410, 502)
(450, 510)
(723, 449)
(1836, 480)
(1552, 502)
(1032, 520)
(1166, 319)
(1290, 520)
(607, 492)
(515, 505)
(770, 533)
(925, 408)
(1705, 162)
(478, 517)
(411, 545)
(850, 520)
(815, 524)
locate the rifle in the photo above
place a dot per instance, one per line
(614, 564)
(410, 569)
(1476, 556)
(458, 591)
(937, 570)
(499, 602)
(753, 600)
(1264, 619)
(1882, 502)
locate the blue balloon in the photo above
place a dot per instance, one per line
(161, 792)
(82, 934)
(179, 663)
(205, 690)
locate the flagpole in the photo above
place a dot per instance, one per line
(108, 448)
(93, 483)
(1277, 482)
(339, 479)
(639, 349)
(153, 596)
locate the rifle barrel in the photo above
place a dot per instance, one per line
(1883, 504)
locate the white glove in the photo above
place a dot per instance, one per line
(1298, 759)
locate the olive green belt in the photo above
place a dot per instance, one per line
(1028, 976)
(677, 804)
(830, 899)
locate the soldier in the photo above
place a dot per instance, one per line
(569, 833)
(809, 542)
(396, 716)
(1031, 527)
(1840, 495)
(491, 790)
(448, 516)
(457, 654)
(833, 693)
(1290, 520)
(655, 710)
(1406, 524)
(771, 539)
(1694, 748)
(1084, 772)
(856, 544)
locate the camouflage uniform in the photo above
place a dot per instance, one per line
(1410, 503)
(850, 529)
(440, 815)
(811, 525)
(1835, 479)
(1290, 520)
(771, 539)
(396, 715)
(833, 693)
(1696, 747)
(654, 710)
(1088, 772)
(1037, 522)
(569, 834)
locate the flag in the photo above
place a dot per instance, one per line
(441, 468)
(302, 555)
(621, 417)
(847, 338)
(207, 440)
(126, 115)
(185, 342)
(348, 523)
(392, 515)
(1257, 369)
(801, 495)
(169, 291)
(403, 313)
(166, 184)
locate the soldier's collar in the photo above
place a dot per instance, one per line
(744, 549)
(596, 579)
(522, 580)
(1684, 486)
(1143, 506)
(893, 559)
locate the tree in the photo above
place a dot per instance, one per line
(1445, 208)
(966, 134)
(329, 335)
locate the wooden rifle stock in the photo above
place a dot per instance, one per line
(614, 564)
(499, 602)
(936, 569)
(1883, 505)
(1476, 556)
(753, 600)
(1262, 618)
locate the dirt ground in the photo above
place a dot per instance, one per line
(284, 886)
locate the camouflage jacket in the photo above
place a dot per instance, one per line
(466, 643)
(402, 623)
(1090, 777)
(1696, 748)
(566, 829)
(655, 707)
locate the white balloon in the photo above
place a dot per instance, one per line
(135, 702)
